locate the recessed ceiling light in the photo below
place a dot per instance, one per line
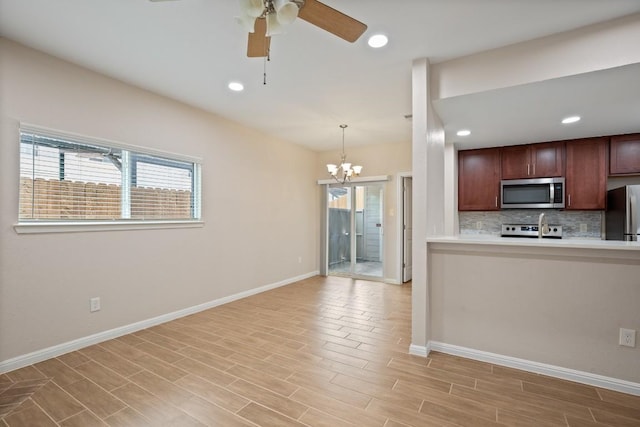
(463, 132)
(236, 86)
(378, 40)
(571, 119)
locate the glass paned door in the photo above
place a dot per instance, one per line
(339, 229)
(355, 230)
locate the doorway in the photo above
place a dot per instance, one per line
(355, 230)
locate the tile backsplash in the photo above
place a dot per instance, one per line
(490, 222)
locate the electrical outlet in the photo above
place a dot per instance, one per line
(299, 260)
(627, 337)
(478, 225)
(583, 228)
(94, 304)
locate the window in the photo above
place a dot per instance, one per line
(64, 178)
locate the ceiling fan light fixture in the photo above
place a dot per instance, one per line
(286, 11)
(274, 26)
(248, 23)
(253, 8)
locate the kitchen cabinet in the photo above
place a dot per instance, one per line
(624, 155)
(586, 178)
(542, 160)
(479, 180)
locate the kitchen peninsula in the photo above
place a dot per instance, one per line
(559, 303)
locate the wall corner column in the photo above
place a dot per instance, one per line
(428, 197)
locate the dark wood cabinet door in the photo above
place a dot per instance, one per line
(547, 159)
(541, 160)
(625, 155)
(479, 180)
(515, 162)
(586, 178)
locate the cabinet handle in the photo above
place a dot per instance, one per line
(534, 168)
(527, 169)
(496, 201)
(569, 199)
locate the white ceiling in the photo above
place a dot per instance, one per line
(190, 49)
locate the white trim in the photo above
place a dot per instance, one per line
(400, 222)
(76, 137)
(391, 281)
(74, 226)
(539, 368)
(356, 180)
(419, 350)
(60, 349)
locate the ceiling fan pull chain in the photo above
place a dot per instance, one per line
(264, 71)
(267, 57)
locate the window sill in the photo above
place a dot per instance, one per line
(38, 227)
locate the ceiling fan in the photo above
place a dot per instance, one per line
(264, 18)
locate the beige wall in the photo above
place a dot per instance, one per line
(382, 159)
(260, 209)
(562, 307)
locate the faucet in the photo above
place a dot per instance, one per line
(543, 226)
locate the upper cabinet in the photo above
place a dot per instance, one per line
(586, 178)
(479, 179)
(624, 157)
(533, 161)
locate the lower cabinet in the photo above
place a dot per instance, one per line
(479, 180)
(586, 174)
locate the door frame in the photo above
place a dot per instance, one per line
(353, 236)
(400, 176)
(324, 218)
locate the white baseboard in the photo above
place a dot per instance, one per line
(535, 367)
(60, 349)
(419, 350)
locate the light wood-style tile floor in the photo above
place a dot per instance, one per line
(321, 352)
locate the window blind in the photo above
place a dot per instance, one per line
(67, 179)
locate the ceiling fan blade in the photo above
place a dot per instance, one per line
(259, 43)
(331, 20)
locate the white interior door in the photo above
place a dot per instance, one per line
(407, 228)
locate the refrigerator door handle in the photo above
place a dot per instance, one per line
(633, 217)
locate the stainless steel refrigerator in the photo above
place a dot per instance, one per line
(622, 218)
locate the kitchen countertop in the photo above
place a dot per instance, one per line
(569, 243)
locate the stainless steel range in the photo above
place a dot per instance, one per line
(530, 230)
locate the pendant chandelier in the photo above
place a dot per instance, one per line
(344, 172)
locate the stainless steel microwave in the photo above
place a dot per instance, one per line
(534, 193)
